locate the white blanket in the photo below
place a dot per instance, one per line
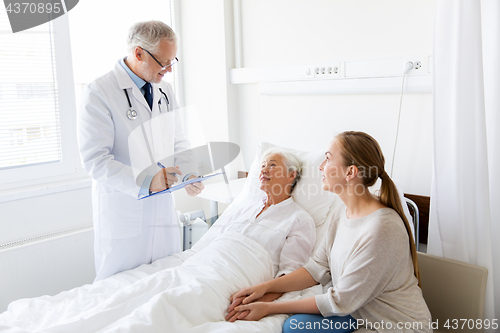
(191, 298)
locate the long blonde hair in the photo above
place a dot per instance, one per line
(363, 151)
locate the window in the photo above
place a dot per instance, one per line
(37, 105)
(30, 127)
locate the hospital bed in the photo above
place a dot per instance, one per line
(137, 301)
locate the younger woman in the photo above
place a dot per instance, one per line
(368, 255)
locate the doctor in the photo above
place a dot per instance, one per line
(130, 232)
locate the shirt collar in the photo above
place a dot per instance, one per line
(137, 80)
(283, 203)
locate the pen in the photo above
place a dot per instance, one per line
(163, 167)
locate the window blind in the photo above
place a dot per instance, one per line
(29, 109)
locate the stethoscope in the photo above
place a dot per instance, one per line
(132, 114)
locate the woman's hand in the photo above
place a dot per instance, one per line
(232, 314)
(254, 311)
(253, 293)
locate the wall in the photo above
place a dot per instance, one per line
(47, 267)
(295, 32)
(65, 208)
(206, 52)
(57, 208)
(291, 32)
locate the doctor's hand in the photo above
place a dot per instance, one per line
(164, 179)
(195, 188)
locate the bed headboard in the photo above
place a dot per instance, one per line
(423, 203)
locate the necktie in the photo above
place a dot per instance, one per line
(147, 94)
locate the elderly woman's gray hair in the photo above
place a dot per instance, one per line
(148, 35)
(291, 161)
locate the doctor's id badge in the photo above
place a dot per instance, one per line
(26, 14)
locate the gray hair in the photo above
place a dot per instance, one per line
(291, 161)
(148, 35)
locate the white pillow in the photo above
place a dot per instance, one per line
(308, 192)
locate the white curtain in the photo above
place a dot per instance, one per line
(465, 200)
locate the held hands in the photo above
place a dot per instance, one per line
(232, 314)
(164, 179)
(240, 309)
(251, 312)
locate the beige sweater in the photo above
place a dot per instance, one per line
(369, 264)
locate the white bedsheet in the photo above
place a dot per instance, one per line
(192, 297)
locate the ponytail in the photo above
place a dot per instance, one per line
(389, 197)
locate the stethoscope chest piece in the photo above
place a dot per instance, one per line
(131, 114)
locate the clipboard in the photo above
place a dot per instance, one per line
(182, 185)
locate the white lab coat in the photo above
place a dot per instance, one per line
(128, 232)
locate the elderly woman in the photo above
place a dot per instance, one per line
(252, 242)
(277, 223)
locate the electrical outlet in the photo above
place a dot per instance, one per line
(327, 71)
(420, 65)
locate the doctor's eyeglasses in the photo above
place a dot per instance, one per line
(159, 63)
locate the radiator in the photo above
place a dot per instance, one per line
(46, 265)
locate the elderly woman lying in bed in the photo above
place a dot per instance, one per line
(252, 242)
(276, 222)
